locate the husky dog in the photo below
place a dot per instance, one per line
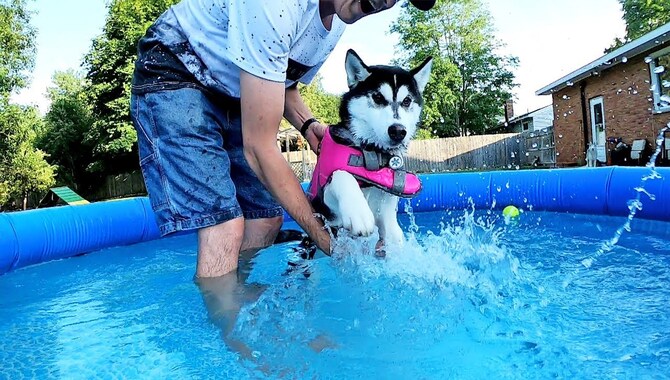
(591, 155)
(359, 175)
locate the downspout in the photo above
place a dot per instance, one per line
(582, 94)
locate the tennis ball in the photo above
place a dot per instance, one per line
(511, 212)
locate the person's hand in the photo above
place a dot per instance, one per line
(321, 237)
(314, 134)
(323, 242)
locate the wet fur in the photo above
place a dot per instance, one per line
(373, 103)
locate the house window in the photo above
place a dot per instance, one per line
(525, 126)
(659, 67)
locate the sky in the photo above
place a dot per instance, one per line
(550, 38)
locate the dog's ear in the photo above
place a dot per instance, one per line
(421, 73)
(357, 71)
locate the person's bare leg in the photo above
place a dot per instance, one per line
(225, 294)
(260, 233)
(219, 248)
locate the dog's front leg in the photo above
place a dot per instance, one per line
(345, 198)
(385, 207)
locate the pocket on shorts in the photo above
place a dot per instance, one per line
(143, 122)
(148, 152)
(154, 181)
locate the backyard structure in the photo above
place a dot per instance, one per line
(613, 101)
(536, 128)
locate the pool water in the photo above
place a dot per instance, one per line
(469, 296)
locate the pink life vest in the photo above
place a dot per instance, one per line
(366, 166)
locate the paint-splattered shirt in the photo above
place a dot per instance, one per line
(278, 40)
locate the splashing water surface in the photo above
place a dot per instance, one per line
(468, 296)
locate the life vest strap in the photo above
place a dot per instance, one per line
(399, 177)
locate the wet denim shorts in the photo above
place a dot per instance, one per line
(191, 155)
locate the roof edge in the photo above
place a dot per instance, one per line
(637, 46)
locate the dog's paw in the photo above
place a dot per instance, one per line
(357, 218)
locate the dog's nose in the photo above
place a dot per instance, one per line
(397, 132)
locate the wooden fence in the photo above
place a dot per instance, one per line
(483, 152)
(540, 147)
(465, 153)
(121, 185)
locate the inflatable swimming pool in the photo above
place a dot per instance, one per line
(572, 288)
(38, 236)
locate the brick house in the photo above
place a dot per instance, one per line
(621, 96)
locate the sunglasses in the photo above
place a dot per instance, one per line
(371, 6)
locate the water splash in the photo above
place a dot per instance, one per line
(634, 205)
(420, 291)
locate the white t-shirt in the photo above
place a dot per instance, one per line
(278, 40)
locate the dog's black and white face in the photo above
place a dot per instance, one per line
(383, 104)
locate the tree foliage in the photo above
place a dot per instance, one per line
(17, 38)
(110, 64)
(470, 81)
(67, 124)
(23, 169)
(641, 17)
(324, 106)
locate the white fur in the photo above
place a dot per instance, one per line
(591, 156)
(370, 122)
(360, 210)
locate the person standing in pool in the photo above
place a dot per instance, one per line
(212, 81)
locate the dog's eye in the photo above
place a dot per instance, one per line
(378, 98)
(407, 102)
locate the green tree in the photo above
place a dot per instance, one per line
(324, 106)
(4, 189)
(641, 17)
(67, 123)
(470, 81)
(23, 168)
(17, 38)
(110, 65)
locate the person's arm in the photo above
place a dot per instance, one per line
(297, 112)
(262, 108)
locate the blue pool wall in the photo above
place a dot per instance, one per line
(37, 236)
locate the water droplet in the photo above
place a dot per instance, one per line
(624, 59)
(648, 59)
(659, 69)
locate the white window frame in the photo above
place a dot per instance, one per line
(656, 82)
(525, 123)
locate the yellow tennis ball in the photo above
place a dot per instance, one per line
(511, 212)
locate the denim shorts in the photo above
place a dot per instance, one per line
(192, 160)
